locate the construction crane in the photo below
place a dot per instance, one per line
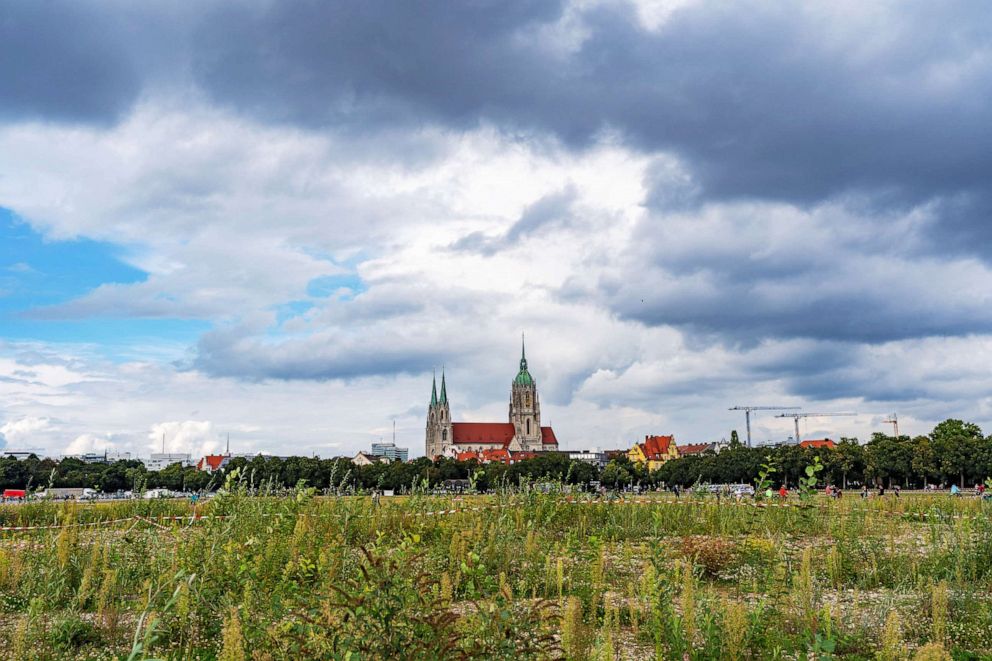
(747, 414)
(796, 416)
(894, 421)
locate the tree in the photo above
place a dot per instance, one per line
(615, 475)
(581, 472)
(924, 463)
(889, 458)
(734, 440)
(850, 460)
(956, 445)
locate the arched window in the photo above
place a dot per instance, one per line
(444, 434)
(528, 426)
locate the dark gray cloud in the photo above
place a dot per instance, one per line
(751, 310)
(552, 210)
(65, 60)
(372, 63)
(762, 100)
(234, 352)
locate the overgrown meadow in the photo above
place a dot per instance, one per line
(505, 576)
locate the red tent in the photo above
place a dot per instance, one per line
(14, 493)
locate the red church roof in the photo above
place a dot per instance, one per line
(482, 432)
(818, 443)
(501, 433)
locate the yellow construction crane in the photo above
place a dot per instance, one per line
(747, 414)
(796, 416)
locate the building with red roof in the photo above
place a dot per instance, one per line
(521, 435)
(213, 462)
(691, 449)
(654, 451)
(495, 455)
(818, 443)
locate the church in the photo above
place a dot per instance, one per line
(522, 436)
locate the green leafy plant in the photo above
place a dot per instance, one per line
(764, 481)
(807, 484)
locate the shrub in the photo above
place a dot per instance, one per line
(72, 633)
(713, 554)
(932, 652)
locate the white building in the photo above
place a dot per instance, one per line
(100, 458)
(160, 460)
(366, 459)
(594, 456)
(390, 451)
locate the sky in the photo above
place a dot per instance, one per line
(276, 220)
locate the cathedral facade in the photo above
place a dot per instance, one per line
(523, 432)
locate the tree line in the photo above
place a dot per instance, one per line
(338, 475)
(954, 452)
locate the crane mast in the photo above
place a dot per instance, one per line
(747, 414)
(894, 421)
(796, 416)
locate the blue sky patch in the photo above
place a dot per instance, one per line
(326, 285)
(36, 272)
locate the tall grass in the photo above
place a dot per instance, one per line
(513, 575)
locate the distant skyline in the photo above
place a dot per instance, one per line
(276, 219)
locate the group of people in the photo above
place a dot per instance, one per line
(865, 491)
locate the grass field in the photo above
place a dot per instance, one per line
(504, 576)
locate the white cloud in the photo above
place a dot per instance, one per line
(191, 436)
(24, 431)
(232, 219)
(90, 443)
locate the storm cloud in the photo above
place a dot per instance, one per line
(680, 203)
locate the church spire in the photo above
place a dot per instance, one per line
(444, 389)
(434, 390)
(523, 376)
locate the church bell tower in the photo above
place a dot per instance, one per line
(525, 409)
(438, 421)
